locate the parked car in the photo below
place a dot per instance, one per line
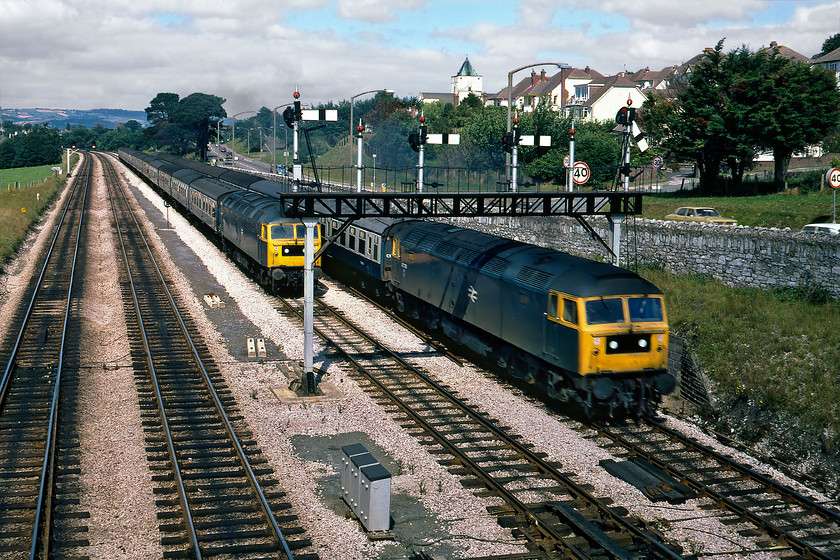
(700, 214)
(830, 229)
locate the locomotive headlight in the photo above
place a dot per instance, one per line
(613, 344)
(643, 343)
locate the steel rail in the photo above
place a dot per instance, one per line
(278, 534)
(782, 490)
(4, 384)
(720, 500)
(547, 469)
(44, 502)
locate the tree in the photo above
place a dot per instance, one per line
(694, 125)
(196, 112)
(792, 106)
(738, 103)
(162, 108)
(830, 44)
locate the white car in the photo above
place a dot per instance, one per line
(831, 229)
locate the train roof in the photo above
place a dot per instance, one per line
(255, 206)
(211, 187)
(529, 265)
(187, 175)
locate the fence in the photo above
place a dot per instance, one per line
(459, 179)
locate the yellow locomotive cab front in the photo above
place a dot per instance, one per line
(285, 244)
(623, 334)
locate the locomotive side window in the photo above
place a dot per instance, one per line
(604, 310)
(553, 305)
(644, 309)
(570, 311)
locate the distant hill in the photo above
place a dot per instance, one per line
(60, 118)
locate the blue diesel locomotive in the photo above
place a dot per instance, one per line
(241, 210)
(573, 329)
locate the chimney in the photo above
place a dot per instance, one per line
(586, 70)
(773, 44)
(533, 76)
(542, 75)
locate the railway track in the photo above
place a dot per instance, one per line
(784, 520)
(543, 506)
(39, 460)
(215, 493)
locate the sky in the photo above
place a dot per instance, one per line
(119, 54)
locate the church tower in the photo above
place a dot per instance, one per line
(466, 81)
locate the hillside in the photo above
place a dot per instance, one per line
(61, 118)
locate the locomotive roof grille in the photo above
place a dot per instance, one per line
(467, 256)
(495, 266)
(533, 277)
(446, 249)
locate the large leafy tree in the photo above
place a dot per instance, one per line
(738, 103)
(196, 113)
(793, 105)
(179, 122)
(829, 45)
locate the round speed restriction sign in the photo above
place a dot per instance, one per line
(657, 162)
(833, 178)
(580, 173)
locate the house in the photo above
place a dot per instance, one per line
(600, 100)
(831, 62)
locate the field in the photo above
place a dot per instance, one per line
(21, 207)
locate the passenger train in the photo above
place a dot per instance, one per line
(570, 329)
(241, 210)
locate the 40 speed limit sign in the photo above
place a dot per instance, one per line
(833, 178)
(580, 173)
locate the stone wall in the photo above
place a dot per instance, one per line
(738, 256)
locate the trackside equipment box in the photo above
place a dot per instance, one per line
(375, 498)
(366, 487)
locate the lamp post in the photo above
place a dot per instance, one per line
(233, 149)
(274, 132)
(374, 173)
(352, 102)
(510, 96)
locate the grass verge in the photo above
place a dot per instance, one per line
(21, 208)
(777, 350)
(785, 209)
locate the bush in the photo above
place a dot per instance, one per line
(806, 182)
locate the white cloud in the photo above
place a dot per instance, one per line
(118, 53)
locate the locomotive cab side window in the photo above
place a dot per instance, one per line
(553, 305)
(570, 311)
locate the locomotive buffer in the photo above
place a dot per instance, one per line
(311, 206)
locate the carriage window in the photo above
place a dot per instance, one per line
(570, 311)
(300, 232)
